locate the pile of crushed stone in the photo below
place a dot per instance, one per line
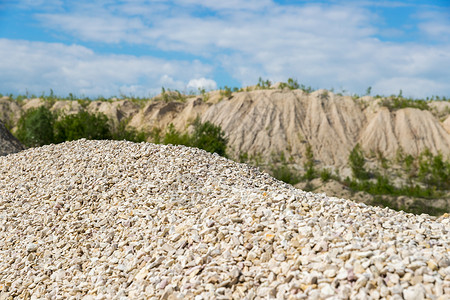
(117, 220)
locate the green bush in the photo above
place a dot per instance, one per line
(226, 92)
(82, 125)
(209, 137)
(35, 127)
(285, 174)
(357, 163)
(174, 137)
(398, 102)
(263, 84)
(434, 171)
(325, 175)
(206, 136)
(310, 172)
(129, 134)
(292, 84)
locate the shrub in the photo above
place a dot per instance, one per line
(292, 84)
(226, 92)
(206, 136)
(285, 174)
(155, 135)
(129, 134)
(310, 172)
(263, 84)
(398, 102)
(174, 137)
(243, 157)
(357, 162)
(82, 125)
(325, 175)
(35, 127)
(209, 137)
(434, 171)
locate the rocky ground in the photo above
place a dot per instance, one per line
(118, 220)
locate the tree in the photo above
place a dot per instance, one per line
(310, 172)
(174, 137)
(82, 125)
(357, 162)
(35, 127)
(129, 134)
(293, 84)
(209, 137)
(206, 136)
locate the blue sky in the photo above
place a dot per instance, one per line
(134, 47)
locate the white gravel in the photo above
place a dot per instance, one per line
(118, 220)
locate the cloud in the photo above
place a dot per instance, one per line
(202, 83)
(36, 66)
(322, 45)
(435, 25)
(229, 5)
(109, 29)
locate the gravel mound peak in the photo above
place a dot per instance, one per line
(120, 220)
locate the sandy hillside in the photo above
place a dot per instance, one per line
(268, 122)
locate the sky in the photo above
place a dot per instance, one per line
(135, 47)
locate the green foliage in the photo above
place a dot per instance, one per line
(82, 125)
(174, 137)
(284, 173)
(434, 171)
(122, 132)
(369, 90)
(243, 157)
(206, 136)
(155, 135)
(325, 175)
(357, 163)
(292, 84)
(164, 95)
(263, 84)
(226, 92)
(382, 187)
(35, 127)
(382, 159)
(83, 103)
(310, 172)
(209, 137)
(398, 102)
(324, 94)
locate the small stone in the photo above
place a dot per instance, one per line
(32, 247)
(330, 273)
(280, 257)
(327, 291)
(415, 292)
(361, 282)
(269, 237)
(432, 265)
(428, 278)
(342, 274)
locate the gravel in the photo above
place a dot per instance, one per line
(119, 220)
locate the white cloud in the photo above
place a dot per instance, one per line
(229, 4)
(322, 45)
(109, 29)
(37, 67)
(435, 25)
(202, 83)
